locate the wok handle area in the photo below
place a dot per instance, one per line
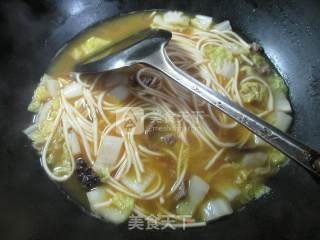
(301, 153)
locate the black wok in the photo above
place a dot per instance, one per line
(30, 34)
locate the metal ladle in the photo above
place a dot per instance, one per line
(147, 47)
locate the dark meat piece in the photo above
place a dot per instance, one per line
(181, 191)
(168, 139)
(151, 82)
(133, 80)
(151, 128)
(148, 81)
(264, 70)
(86, 176)
(255, 47)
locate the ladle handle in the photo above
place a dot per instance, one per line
(301, 153)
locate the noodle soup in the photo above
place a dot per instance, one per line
(131, 141)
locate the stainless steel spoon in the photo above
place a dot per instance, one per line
(147, 47)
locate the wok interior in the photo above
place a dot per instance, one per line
(179, 156)
(267, 23)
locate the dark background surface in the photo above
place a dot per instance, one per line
(31, 31)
